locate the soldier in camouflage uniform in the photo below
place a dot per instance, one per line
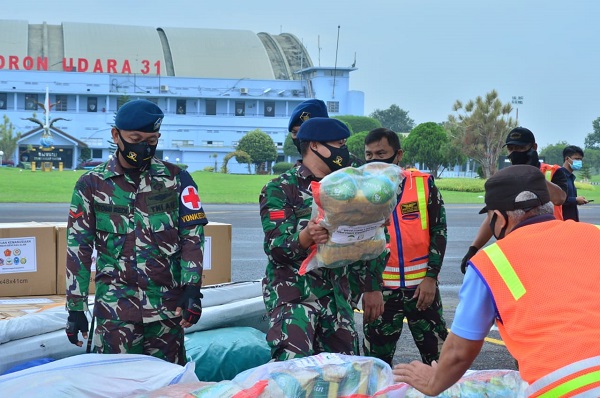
(309, 314)
(144, 218)
(418, 244)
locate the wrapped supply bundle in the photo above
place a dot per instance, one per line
(353, 204)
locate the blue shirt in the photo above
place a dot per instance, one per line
(570, 211)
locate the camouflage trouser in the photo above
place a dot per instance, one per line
(161, 339)
(428, 327)
(311, 327)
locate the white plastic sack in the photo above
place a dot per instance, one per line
(95, 376)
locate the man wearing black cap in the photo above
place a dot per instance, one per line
(537, 284)
(522, 149)
(303, 112)
(144, 218)
(309, 314)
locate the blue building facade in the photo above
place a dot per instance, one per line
(60, 86)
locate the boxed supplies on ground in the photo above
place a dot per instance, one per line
(27, 259)
(217, 253)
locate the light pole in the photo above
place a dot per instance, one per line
(517, 100)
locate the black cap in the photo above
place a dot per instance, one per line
(139, 115)
(502, 188)
(520, 136)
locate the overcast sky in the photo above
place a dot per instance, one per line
(422, 55)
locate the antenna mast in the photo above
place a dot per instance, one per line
(335, 65)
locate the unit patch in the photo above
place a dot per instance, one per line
(410, 207)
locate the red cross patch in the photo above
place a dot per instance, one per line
(190, 198)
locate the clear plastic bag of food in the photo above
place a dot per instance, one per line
(353, 204)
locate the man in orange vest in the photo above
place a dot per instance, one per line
(522, 149)
(540, 287)
(417, 232)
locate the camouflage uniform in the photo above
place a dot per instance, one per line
(147, 228)
(307, 314)
(427, 327)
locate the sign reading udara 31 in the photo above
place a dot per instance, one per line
(109, 65)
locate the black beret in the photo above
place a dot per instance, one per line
(305, 110)
(139, 115)
(520, 136)
(502, 188)
(323, 129)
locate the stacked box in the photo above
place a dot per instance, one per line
(217, 253)
(27, 259)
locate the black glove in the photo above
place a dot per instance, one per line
(191, 304)
(470, 253)
(76, 322)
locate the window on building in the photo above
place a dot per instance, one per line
(212, 131)
(333, 106)
(240, 108)
(181, 107)
(269, 108)
(31, 102)
(180, 143)
(212, 143)
(96, 153)
(61, 103)
(3, 100)
(92, 104)
(211, 107)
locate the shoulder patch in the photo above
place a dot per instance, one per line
(190, 198)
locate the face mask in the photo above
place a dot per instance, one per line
(529, 157)
(339, 158)
(137, 155)
(493, 226)
(296, 142)
(389, 160)
(577, 164)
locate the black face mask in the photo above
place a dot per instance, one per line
(339, 158)
(296, 142)
(137, 155)
(389, 160)
(529, 157)
(493, 225)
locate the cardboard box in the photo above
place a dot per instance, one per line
(27, 259)
(217, 254)
(61, 261)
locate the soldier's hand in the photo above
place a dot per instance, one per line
(317, 233)
(470, 253)
(373, 306)
(189, 306)
(77, 322)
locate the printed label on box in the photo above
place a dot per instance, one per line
(18, 255)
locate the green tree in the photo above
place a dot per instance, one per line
(356, 124)
(289, 149)
(394, 118)
(592, 159)
(592, 140)
(586, 172)
(356, 144)
(8, 141)
(552, 154)
(240, 157)
(261, 149)
(481, 129)
(428, 145)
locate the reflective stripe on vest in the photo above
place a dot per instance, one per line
(420, 182)
(506, 271)
(570, 385)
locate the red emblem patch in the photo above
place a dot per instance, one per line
(75, 215)
(276, 215)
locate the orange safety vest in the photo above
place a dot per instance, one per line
(549, 171)
(543, 279)
(409, 234)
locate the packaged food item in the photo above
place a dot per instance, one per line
(353, 204)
